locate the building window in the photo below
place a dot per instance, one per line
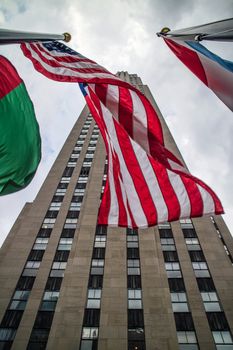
(205, 284)
(57, 198)
(61, 255)
(53, 284)
(98, 253)
(68, 233)
(132, 241)
(217, 321)
(135, 318)
(95, 281)
(11, 319)
(223, 337)
(184, 321)
(25, 283)
(192, 244)
(90, 333)
(91, 318)
(179, 302)
(40, 244)
(84, 171)
(133, 266)
(49, 301)
(134, 299)
(134, 282)
(101, 230)
(44, 232)
(176, 285)
(93, 298)
(187, 337)
(170, 256)
(200, 269)
(196, 255)
(173, 270)
(165, 233)
(132, 253)
(65, 244)
(100, 242)
(19, 300)
(189, 232)
(36, 255)
(68, 172)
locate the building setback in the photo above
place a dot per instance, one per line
(69, 284)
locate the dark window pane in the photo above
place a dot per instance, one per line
(62, 185)
(39, 335)
(196, 255)
(61, 255)
(217, 321)
(5, 345)
(165, 233)
(44, 319)
(189, 232)
(73, 214)
(11, 319)
(36, 255)
(98, 253)
(44, 232)
(184, 321)
(84, 171)
(135, 319)
(53, 284)
(101, 230)
(139, 345)
(131, 231)
(170, 256)
(36, 345)
(68, 232)
(132, 253)
(81, 185)
(57, 199)
(77, 199)
(176, 285)
(25, 283)
(95, 281)
(205, 284)
(134, 282)
(91, 318)
(51, 214)
(136, 334)
(68, 172)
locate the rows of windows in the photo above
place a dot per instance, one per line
(43, 322)
(90, 330)
(183, 319)
(215, 315)
(136, 334)
(21, 294)
(222, 239)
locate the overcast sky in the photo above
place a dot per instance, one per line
(120, 35)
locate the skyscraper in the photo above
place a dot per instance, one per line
(67, 283)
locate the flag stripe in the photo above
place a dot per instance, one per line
(146, 183)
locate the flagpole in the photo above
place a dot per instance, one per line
(16, 37)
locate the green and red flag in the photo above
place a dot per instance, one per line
(20, 143)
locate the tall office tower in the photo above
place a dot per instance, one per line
(69, 284)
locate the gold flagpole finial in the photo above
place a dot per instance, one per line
(67, 37)
(165, 30)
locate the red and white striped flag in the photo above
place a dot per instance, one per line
(146, 183)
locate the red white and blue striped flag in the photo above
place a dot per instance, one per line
(146, 183)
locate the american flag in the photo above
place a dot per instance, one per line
(146, 183)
